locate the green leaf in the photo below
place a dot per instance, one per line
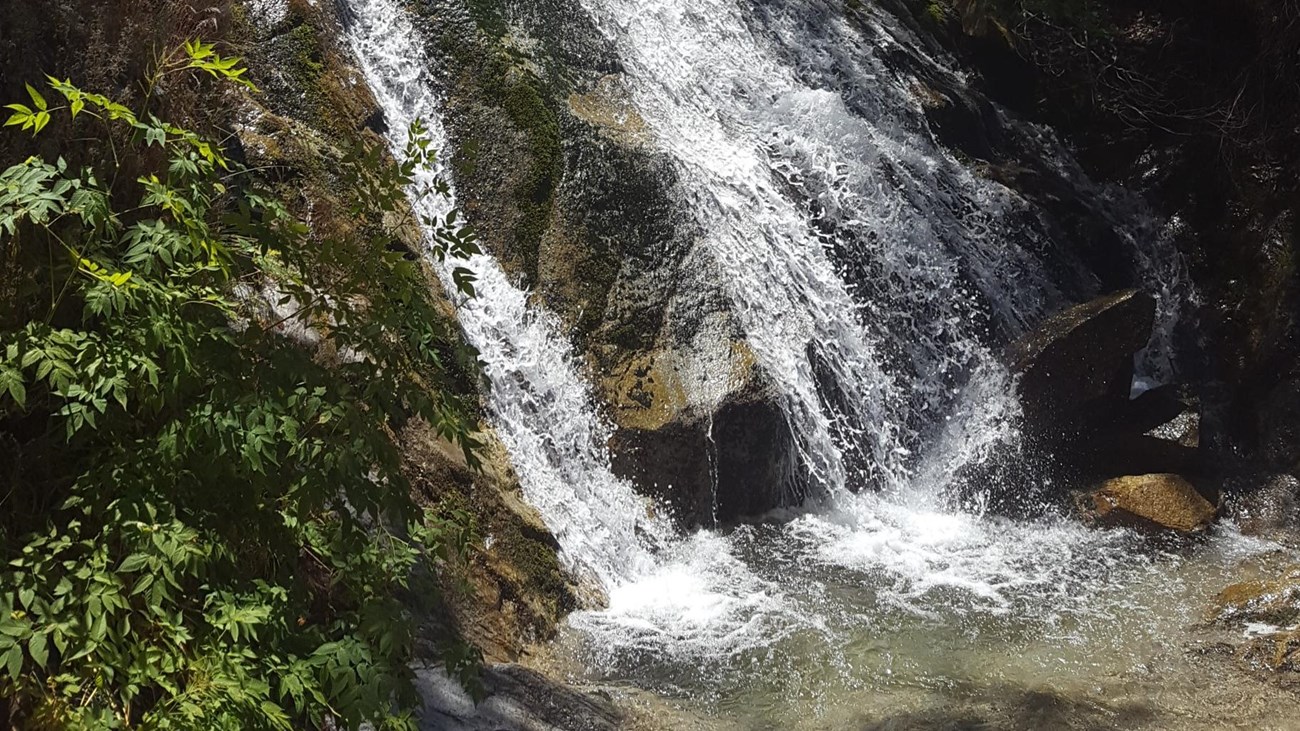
(39, 650)
(17, 391)
(37, 99)
(133, 563)
(13, 662)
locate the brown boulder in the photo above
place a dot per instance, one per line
(1163, 501)
(1267, 601)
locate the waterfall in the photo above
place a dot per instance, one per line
(874, 276)
(864, 263)
(539, 404)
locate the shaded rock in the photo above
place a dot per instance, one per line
(1164, 501)
(1110, 454)
(1075, 370)
(709, 440)
(1279, 426)
(1154, 433)
(513, 592)
(1153, 410)
(1269, 508)
(515, 699)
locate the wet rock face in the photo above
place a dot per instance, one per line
(557, 172)
(1267, 506)
(1157, 501)
(1075, 370)
(711, 453)
(553, 167)
(515, 592)
(1279, 426)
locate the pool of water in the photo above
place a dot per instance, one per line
(884, 615)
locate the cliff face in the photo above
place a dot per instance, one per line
(557, 171)
(1194, 107)
(316, 105)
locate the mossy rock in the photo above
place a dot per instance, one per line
(514, 591)
(307, 74)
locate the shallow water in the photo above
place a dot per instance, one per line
(880, 615)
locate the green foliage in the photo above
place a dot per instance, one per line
(204, 524)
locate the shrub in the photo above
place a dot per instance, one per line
(203, 523)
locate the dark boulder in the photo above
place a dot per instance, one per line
(1118, 453)
(1155, 432)
(1279, 426)
(1074, 376)
(1075, 370)
(711, 458)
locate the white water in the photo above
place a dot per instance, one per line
(843, 230)
(540, 406)
(786, 180)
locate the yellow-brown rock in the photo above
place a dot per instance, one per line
(1270, 607)
(1269, 601)
(1163, 500)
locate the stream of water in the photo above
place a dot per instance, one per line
(861, 258)
(540, 406)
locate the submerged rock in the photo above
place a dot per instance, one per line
(1269, 611)
(1163, 501)
(1075, 370)
(1268, 601)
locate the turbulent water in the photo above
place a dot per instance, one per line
(873, 275)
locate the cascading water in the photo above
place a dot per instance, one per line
(872, 274)
(540, 406)
(851, 246)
